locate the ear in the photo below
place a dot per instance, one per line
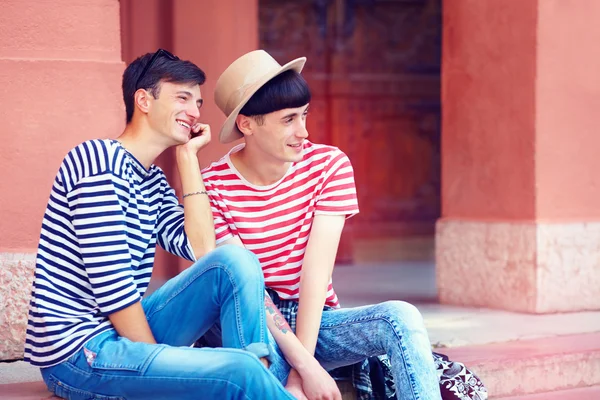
(245, 124)
(141, 99)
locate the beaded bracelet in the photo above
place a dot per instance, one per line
(191, 194)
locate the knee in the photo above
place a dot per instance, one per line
(241, 264)
(247, 367)
(404, 315)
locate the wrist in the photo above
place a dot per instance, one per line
(305, 366)
(293, 374)
(186, 153)
(198, 192)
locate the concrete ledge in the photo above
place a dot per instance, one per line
(20, 380)
(535, 369)
(568, 267)
(16, 276)
(522, 266)
(587, 393)
(27, 391)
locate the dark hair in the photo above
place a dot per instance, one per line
(164, 69)
(286, 90)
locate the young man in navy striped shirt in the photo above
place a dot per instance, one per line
(89, 330)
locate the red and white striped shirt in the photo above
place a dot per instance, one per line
(274, 221)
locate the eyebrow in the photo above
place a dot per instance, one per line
(294, 114)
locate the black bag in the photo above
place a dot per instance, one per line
(457, 381)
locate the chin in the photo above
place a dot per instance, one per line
(181, 139)
(293, 156)
(289, 157)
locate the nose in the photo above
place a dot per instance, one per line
(302, 132)
(193, 111)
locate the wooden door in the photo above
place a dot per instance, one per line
(374, 70)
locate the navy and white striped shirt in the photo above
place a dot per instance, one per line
(105, 214)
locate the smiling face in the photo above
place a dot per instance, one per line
(281, 134)
(175, 110)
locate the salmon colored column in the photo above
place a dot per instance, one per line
(210, 33)
(213, 33)
(146, 26)
(520, 184)
(60, 73)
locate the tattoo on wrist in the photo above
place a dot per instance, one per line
(278, 318)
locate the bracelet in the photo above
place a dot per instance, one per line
(194, 193)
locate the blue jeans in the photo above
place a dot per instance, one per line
(350, 335)
(225, 287)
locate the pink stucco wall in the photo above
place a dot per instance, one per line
(520, 171)
(60, 68)
(567, 105)
(488, 123)
(213, 33)
(60, 73)
(210, 33)
(520, 101)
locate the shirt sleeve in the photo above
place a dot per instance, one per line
(337, 195)
(171, 234)
(99, 224)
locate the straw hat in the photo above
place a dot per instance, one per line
(241, 80)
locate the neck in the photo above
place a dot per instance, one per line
(258, 168)
(142, 142)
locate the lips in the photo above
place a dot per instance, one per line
(185, 124)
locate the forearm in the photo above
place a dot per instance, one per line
(293, 350)
(307, 378)
(198, 220)
(131, 323)
(317, 268)
(313, 291)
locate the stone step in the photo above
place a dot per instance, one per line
(522, 368)
(26, 391)
(586, 393)
(38, 391)
(562, 367)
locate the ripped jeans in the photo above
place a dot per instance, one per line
(225, 287)
(351, 335)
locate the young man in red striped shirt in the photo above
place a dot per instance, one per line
(286, 199)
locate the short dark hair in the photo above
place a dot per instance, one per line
(163, 69)
(286, 90)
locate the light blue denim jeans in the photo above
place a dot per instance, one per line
(224, 287)
(351, 335)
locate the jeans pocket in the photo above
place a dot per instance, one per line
(120, 355)
(65, 391)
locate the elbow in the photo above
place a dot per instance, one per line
(204, 248)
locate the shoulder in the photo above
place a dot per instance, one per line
(216, 171)
(90, 158)
(156, 173)
(94, 151)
